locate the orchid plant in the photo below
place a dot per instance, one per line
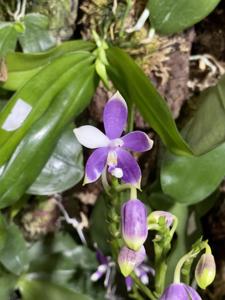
(112, 160)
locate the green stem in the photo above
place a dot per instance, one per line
(179, 265)
(160, 268)
(133, 192)
(105, 183)
(143, 287)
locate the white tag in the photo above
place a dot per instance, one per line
(18, 115)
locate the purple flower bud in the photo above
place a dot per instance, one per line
(155, 215)
(180, 291)
(205, 271)
(129, 259)
(134, 224)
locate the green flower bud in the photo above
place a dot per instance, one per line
(154, 217)
(205, 271)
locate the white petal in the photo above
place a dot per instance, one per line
(91, 137)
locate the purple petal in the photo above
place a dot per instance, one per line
(192, 293)
(129, 283)
(129, 259)
(102, 259)
(129, 166)
(134, 224)
(115, 116)
(95, 165)
(137, 141)
(180, 291)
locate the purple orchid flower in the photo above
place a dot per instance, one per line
(111, 148)
(104, 269)
(142, 272)
(180, 291)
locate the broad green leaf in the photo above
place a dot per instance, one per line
(7, 284)
(34, 98)
(3, 232)
(40, 141)
(56, 243)
(8, 38)
(63, 170)
(170, 16)
(58, 257)
(191, 179)
(206, 129)
(36, 37)
(37, 289)
(14, 256)
(23, 66)
(130, 80)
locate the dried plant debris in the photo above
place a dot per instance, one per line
(40, 219)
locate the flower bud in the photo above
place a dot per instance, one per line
(134, 224)
(129, 259)
(180, 291)
(205, 271)
(154, 217)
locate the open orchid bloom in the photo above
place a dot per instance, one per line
(111, 147)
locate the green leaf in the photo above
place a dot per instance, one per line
(170, 16)
(204, 131)
(63, 170)
(36, 37)
(36, 96)
(44, 135)
(7, 284)
(38, 289)
(192, 179)
(57, 257)
(2, 232)
(8, 38)
(130, 80)
(14, 256)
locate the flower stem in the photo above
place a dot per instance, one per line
(133, 192)
(179, 265)
(143, 287)
(105, 183)
(160, 268)
(184, 264)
